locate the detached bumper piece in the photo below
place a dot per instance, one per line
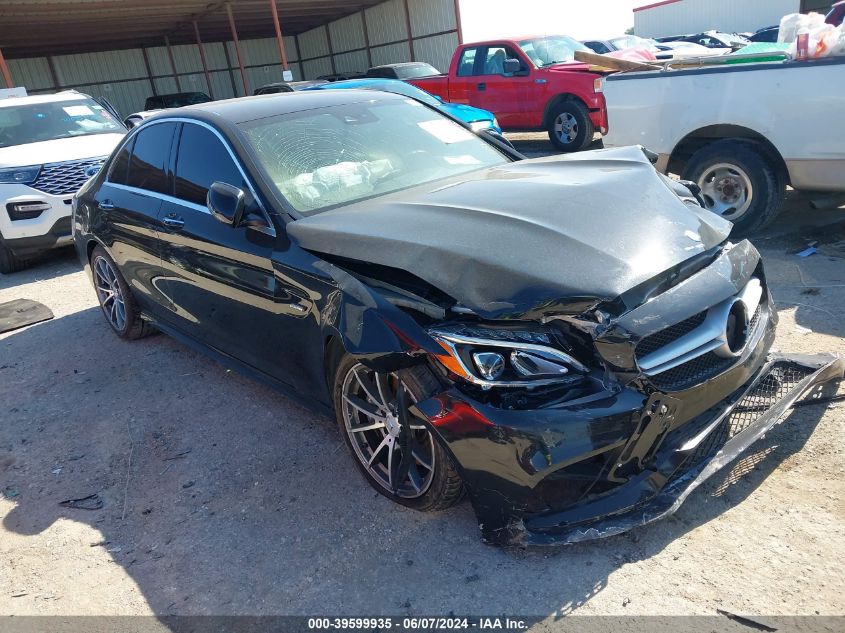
(647, 476)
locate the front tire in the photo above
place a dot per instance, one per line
(9, 262)
(570, 127)
(738, 183)
(377, 430)
(116, 300)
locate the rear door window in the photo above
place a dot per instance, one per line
(201, 161)
(120, 165)
(149, 158)
(466, 66)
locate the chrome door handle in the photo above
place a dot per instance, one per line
(105, 205)
(173, 222)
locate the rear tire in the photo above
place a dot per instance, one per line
(724, 169)
(116, 300)
(570, 127)
(9, 262)
(431, 487)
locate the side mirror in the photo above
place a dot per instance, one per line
(512, 66)
(226, 203)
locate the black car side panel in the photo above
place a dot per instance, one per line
(126, 222)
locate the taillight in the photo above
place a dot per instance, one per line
(598, 84)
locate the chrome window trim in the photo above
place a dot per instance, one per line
(173, 199)
(160, 196)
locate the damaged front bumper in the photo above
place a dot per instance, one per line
(553, 476)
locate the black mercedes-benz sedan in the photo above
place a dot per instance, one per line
(572, 341)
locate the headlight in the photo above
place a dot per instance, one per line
(479, 126)
(22, 175)
(504, 358)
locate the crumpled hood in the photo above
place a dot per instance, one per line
(509, 239)
(59, 150)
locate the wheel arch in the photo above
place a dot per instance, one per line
(89, 248)
(704, 136)
(333, 352)
(558, 99)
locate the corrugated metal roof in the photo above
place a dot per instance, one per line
(51, 27)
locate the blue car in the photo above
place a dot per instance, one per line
(479, 120)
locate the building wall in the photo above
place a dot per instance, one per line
(377, 35)
(695, 16)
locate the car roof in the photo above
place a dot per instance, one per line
(363, 81)
(65, 95)
(243, 109)
(401, 64)
(521, 38)
(177, 94)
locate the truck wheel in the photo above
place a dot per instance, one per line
(9, 262)
(738, 183)
(570, 128)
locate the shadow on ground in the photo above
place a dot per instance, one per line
(222, 497)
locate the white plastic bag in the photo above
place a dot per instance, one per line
(794, 22)
(831, 41)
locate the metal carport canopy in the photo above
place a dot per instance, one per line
(31, 28)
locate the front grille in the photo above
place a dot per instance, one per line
(700, 368)
(692, 372)
(776, 385)
(58, 179)
(658, 340)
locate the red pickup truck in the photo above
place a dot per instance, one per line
(530, 84)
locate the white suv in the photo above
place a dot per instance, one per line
(49, 146)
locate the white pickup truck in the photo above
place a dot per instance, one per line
(741, 132)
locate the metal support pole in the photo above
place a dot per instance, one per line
(229, 69)
(410, 35)
(299, 57)
(149, 71)
(279, 39)
(172, 64)
(331, 50)
(202, 59)
(367, 38)
(237, 48)
(4, 69)
(458, 25)
(51, 65)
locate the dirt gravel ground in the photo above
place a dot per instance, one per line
(223, 497)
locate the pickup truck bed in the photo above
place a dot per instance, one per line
(741, 132)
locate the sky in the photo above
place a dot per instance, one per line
(581, 19)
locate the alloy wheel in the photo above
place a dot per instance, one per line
(727, 190)
(109, 293)
(394, 446)
(566, 127)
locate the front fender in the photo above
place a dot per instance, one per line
(369, 327)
